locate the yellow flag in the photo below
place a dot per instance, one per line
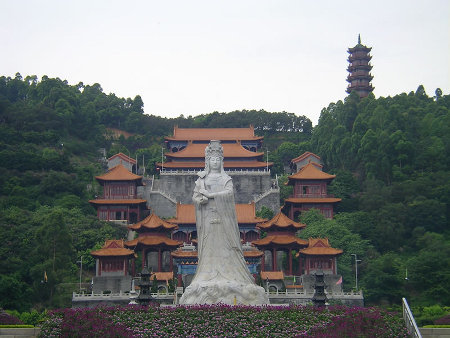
(45, 276)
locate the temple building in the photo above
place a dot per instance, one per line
(126, 161)
(359, 68)
(187, 149)
(279, 243)
(119, 201)
(305, 158)
(310, 185)
(114, 267)
(154, 242)
(319, 255)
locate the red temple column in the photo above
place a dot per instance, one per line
(274, 259)
(263, 262)
(300, 264)
(180, 280)
(171, 263)
(159, 260)
(290, 262)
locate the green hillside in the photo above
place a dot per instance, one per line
(390, 155)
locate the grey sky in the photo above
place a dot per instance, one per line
(196, 57)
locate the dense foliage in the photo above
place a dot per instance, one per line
(224, 321)
(390, 156)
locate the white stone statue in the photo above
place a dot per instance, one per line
(222, 275)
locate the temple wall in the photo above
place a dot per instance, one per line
(114, 284)
(178, 187)
(270, 200)
(161, 204)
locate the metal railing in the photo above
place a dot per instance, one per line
(410, 322)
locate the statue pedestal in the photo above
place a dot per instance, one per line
(224, 292)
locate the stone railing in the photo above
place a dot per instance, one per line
(170, 198)
(265, 194)
(122, 222)
(230, 172)
(121, 294)
(297, 291)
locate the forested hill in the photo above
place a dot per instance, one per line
(390, 155)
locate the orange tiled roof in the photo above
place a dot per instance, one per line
(310, 172)
(229, 150)
(280, 240)
(253, 253)
(152, 241)
(320, 246)
(162, 276)
(118, 173)
(280, 220)
(193, 254)
(113, 247)
(124, 157)
(125, 201)
(246, 213)
(303, 156)
(313, 200)
(207, 134)
(272, 275)
(152, 221)
(184, 254)
(226, 164)
(112, 252)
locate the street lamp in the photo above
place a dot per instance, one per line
(81, 269)
(356, 270)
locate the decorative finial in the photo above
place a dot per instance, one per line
(359, 39)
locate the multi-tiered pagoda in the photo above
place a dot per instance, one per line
(359, 69)
(119, 201)
(310, 186)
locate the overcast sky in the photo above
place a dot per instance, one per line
(194, 57)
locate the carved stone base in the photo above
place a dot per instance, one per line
(229, 292)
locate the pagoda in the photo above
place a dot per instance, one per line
(112, 267)
(185, 219)
(359, 69)
(155, 244)
(119, 201)
(310, 191)
(279, 242)
(187, 149)
(319, 255)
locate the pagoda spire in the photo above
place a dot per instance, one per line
(359, 68)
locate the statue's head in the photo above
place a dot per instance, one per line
(214, 156)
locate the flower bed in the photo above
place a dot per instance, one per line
(223, 321)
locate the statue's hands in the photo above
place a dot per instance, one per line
(206, 193)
